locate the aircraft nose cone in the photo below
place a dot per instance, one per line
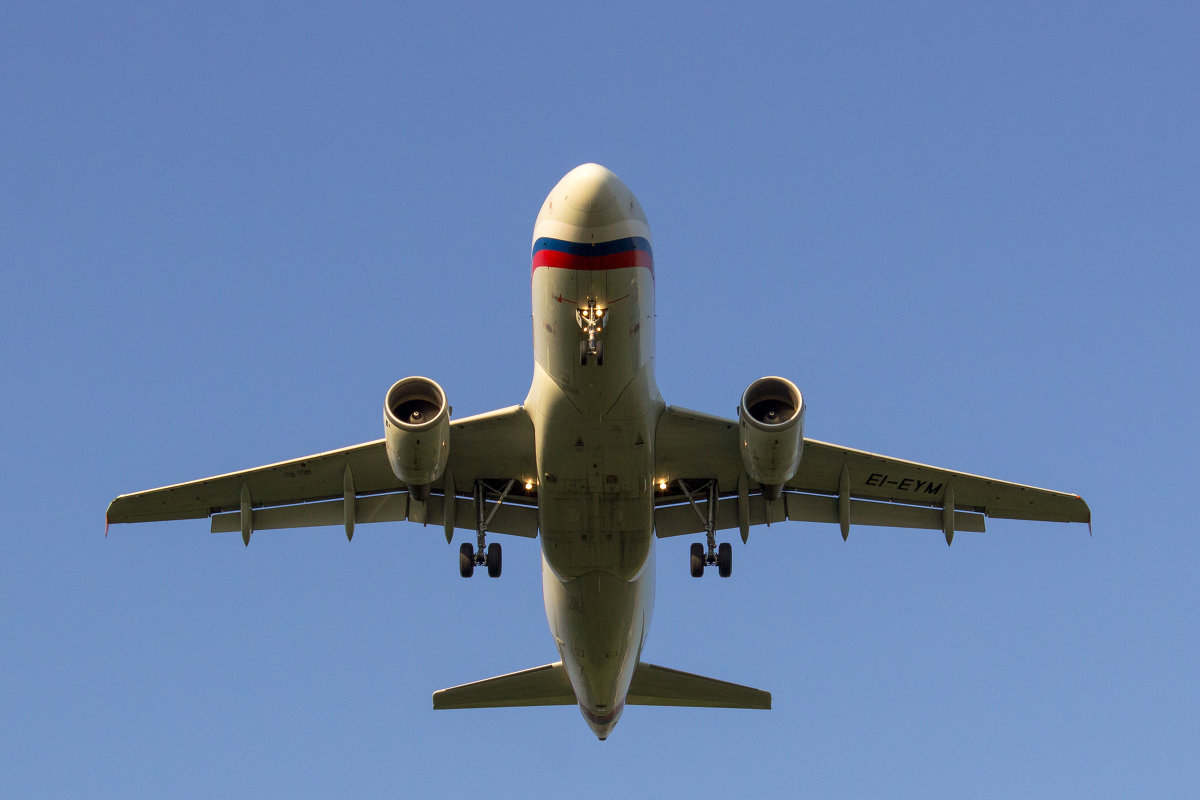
(592, 198)
(591, 188)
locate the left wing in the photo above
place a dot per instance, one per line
(835, 484)
(355, 484)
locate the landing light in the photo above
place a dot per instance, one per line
(662, 486)
(528, 485)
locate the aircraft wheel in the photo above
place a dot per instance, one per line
(493, 560)
(725, 559)
(697, 560)
(466, 560)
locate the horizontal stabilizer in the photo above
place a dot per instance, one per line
(659, 686)
(547, 685)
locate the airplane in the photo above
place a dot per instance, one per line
(596, 466)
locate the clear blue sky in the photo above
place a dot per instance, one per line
(969, 234)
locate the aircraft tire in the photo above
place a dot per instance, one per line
(697, 560)
(725, 560)
(466, 560)
(494, 560)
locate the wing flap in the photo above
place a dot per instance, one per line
(375, 508)
(659, 686)
(509, 519)
(812, 508)
(680, 520)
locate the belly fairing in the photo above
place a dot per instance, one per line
(595, 500)
(594, 421)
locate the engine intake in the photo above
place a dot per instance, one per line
(771, 423)
(416, 425)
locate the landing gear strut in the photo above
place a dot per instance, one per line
(700, 556)
(482, 553)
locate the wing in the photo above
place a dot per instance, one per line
(833, 484)
(356, 484)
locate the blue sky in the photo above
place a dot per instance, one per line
(968, 232)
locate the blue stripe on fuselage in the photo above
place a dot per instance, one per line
(598, 249)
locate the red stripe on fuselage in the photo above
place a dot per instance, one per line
(561, 260)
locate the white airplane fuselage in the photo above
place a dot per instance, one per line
(594, 405)
(604, 447)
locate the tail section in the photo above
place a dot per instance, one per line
(659, 686)
(652, 685)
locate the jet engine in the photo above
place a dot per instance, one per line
(416, 425)
(771, 424)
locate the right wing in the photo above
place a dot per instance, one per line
(835, 484)
(357, 484)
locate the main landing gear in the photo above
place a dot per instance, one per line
(467, 559)
(701, 556)
(482, 553)
(723, 559)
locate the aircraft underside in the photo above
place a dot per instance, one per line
(598, 467)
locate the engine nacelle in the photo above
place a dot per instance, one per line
(416, 425)
(771, 423)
